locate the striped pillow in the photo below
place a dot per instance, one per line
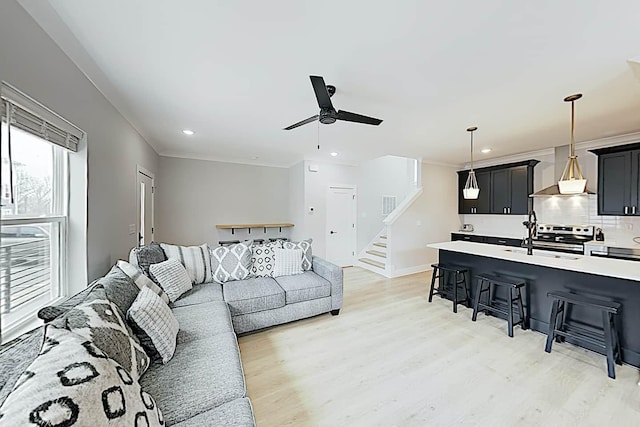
(194, 258)
(152, 316)
(141, 280)
(287, 262)
(173, 278)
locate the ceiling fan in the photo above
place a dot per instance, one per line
(328, 114)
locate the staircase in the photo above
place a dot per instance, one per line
(374, 257)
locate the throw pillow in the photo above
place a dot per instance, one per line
(231, 262)
(73, 383)
(307, 256)
(287, 262)
(119, 288)
(141, 280)
(195, 259)
(262, 259)
(156, 321)
(148, 255)
(173, 278)
(101, 321)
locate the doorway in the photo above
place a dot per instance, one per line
(145, 192)
(341, 225)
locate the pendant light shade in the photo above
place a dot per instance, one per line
(572, 181)
(471, 189)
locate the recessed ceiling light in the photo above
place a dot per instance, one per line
(188, 132)
(485, 150)
(333, 154)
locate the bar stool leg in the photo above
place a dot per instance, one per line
(433, 282)
(552, 325)
(477, 299)
(617, 352)
(608, 342)
(455, 293)
(523, 317)
(510, 319)
(467, 288)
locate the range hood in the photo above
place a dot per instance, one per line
(560, 159)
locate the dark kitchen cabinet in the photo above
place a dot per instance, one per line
(491, 240)
(619, 180)
(504, 189)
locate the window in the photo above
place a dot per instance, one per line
(35, 146)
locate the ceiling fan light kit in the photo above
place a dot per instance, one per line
(572, 180)
(471, 189)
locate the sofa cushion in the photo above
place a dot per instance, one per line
(199, 294)
(15, 356)
(140, 280)
(202, 375)
(307, 255)
(231, 262)
(262, 259)
(101, 321)
(196, 260)
(237, 413)
(72, 382)
(155, 324)
(251, 295)
(172, 277)
(304, 287)
(202, 321)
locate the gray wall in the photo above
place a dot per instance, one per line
(195, 195)
(33, 63)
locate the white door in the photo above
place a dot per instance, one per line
(341, 225)
(145, 193)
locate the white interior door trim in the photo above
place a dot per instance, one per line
(144, 171)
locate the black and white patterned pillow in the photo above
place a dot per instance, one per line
(101, 321)
(195, 259)
(231, 262)
(73, 383)
(307, 256)
(155, 323)
(263, 259)
(141, 280)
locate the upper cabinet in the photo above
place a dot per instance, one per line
(619, 180)
(504, 189)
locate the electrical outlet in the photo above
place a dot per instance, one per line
(132, 229)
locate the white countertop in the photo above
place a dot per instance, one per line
(609, 267)
(503, 235)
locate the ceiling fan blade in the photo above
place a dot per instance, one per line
(303, 122)
(353, 117)
(320, 88)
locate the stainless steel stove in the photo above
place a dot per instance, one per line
(563, 238)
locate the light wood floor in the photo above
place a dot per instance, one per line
(392, 359)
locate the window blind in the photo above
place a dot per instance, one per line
(30, 116)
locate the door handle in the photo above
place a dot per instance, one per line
(333, 232)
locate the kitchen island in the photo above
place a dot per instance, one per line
(605, 278)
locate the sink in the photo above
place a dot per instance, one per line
(547, 254)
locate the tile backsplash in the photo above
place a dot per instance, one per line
(575, 210)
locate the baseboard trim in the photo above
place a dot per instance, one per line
(410, 270)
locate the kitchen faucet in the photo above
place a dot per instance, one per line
(532, 226)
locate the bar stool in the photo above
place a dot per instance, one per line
(607, 341)
(487, 284)
(445, 272)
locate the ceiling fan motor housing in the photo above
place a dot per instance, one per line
(328, 116)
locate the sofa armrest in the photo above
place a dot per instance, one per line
(333, 274)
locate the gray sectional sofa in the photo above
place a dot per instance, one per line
(203, 384)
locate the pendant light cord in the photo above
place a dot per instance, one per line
(573, 140)
(471, 150)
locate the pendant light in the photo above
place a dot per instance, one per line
(572, 181)
(471, 189)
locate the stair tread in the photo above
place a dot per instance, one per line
(383, 237)
(382, 245)
(377, 253)
(372, 262)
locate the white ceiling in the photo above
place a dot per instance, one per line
(236, 72)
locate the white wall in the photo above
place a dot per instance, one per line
(195, 195)
(316, 185)
(428, 220)
(103, 180)
(296, 201)
(384, 176)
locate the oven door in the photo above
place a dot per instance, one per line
(559, 247)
